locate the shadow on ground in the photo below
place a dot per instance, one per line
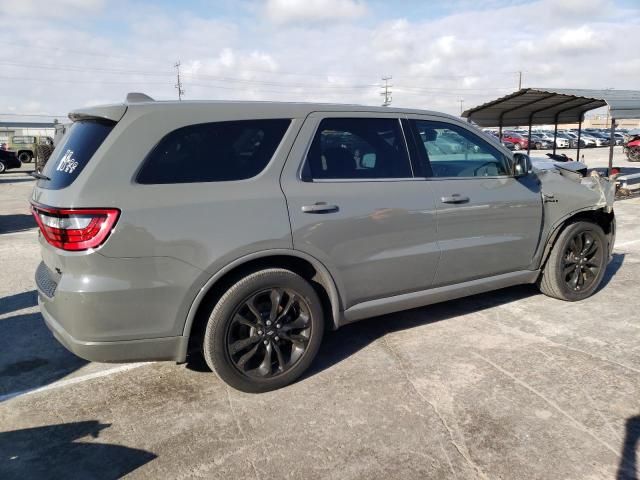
(615, 264)
(31, 356)
(52, 451)
(628, 458)
(348, 340)
(340, 344)
(16, 222)
(19, 301)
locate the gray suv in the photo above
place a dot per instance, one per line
(242, 230)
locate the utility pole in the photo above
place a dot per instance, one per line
(386, 91)
(519, 80)
(461, 105)
(179, 82)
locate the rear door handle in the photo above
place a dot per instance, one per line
(455, 198)
(320, 207)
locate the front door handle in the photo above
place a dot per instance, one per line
(455, 198)
(320, 207)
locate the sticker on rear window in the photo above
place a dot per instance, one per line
(67, 163)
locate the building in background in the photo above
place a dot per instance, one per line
(35, 129)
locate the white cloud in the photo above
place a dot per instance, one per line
(577, 39)
(49, 8)
(471, 54)
(290, 11)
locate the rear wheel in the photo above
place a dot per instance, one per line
(576, 263)
(3, 167)
(25, 157)
(265, 331)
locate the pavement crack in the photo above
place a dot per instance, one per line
(550, 402)
(459, 449)
(240, 429)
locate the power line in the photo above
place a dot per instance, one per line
(30, 115)
(386, 91)
(79, 81)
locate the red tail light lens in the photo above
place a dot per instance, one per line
(75, 229)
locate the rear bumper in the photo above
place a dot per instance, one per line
(167, 348)
(117, 310)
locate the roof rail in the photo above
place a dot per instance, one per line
(136, 97)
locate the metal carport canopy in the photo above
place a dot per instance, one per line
(541, 106)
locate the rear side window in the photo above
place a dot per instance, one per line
(358, 148)
(214, 152)
(70, 157)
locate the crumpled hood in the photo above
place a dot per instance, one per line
(573, 192)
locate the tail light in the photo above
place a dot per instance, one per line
(75, 229)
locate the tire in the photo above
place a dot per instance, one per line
(3, 167)
(633, 154)
(565, 275)
(517, 146)
(284, 349)
(25, 157)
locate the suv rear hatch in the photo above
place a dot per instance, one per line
(64, 223)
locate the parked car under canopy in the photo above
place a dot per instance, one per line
(541, 106)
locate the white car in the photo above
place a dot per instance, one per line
(588, 140)
(560, 142)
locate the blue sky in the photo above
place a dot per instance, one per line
(63, 54)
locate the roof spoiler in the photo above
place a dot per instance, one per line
(105, 112)
(137, 97)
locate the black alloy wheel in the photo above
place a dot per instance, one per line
(264, 331)
(582, 261)
(269, 332)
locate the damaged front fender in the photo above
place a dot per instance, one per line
(566, 195)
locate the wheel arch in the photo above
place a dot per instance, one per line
(301, 263)
(606, 220)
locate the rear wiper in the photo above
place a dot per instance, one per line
(39, 176)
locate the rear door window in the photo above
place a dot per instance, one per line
(357, 148)
(70, 157)
(213, 152)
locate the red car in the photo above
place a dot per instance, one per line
(519, 142)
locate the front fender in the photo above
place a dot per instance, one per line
(565, 196)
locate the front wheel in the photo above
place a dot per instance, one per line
(517, 146)
(25, 157)
(576, 263)
(265, 331)
(3, 167)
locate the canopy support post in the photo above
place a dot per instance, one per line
(611, 145)
(579, 135)
(555, 135)
(529, 139)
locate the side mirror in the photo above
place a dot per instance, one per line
(521, 164)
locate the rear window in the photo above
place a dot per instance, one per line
(71, 156)
(213, 152)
